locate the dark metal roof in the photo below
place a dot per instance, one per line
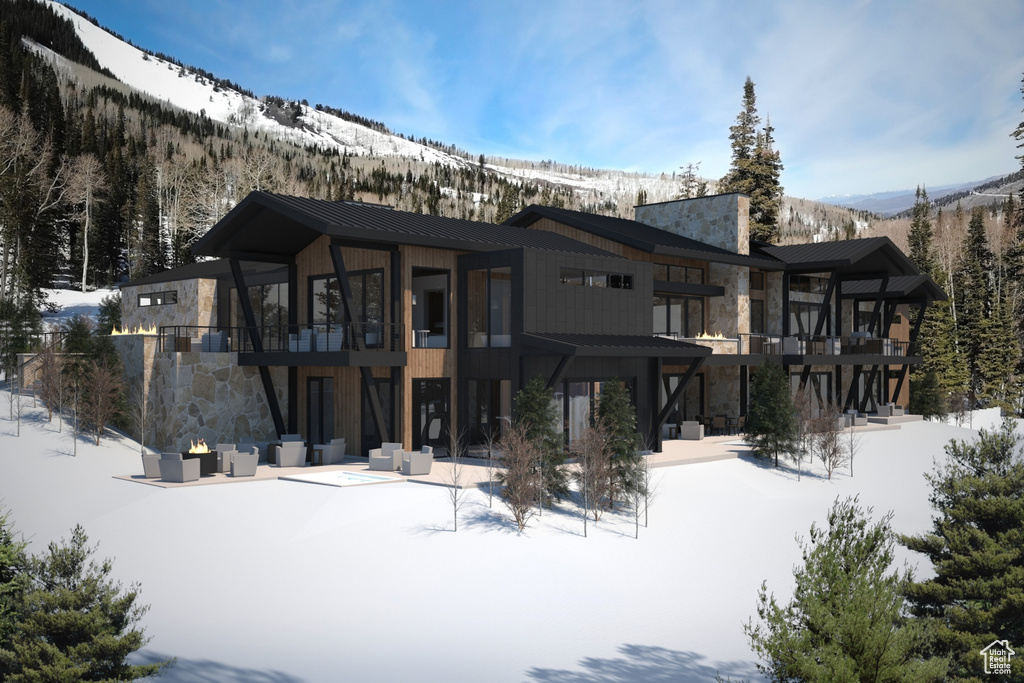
(265, 224)
(848, 257)
(210, 270)
(612, 345)
(906, 287)
(640, 236)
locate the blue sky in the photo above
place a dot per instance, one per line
(864, 96)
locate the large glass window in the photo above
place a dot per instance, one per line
(367, 298)
(803, 317)
(430, 308)
(580, 410)
(489, 307)
(757, 316)
(270, 308)
(678, 316)
(688, 274)
(490, 408)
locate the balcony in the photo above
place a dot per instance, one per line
(380, 344)
(821, 345)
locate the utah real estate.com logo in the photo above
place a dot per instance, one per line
(997, 656)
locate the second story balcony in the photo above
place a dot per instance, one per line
(349, 344)
(849, 346)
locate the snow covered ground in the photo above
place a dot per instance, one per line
(72, 302)
(284, 581)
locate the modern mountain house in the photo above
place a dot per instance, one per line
(378, 325)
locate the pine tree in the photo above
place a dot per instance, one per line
(974, 282)
(920, 237)
(616, 418)
(74, 622)
(845, 621)
(976, 547)
(756, 169)
(13, 583)
(772, 420)
(535, 412)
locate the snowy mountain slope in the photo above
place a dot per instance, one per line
(190, 91)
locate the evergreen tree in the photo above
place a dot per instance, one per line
(976, 547)
(920, 237)
(13, 583)
(974, 306)
(616, 418)
(772, 419)
(536, 413)
(845, 621)
(926, 398)
(74, 622)
(756, 169)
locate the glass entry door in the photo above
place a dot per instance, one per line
(430, 401)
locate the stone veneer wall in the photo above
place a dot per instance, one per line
(198, 395)
(720, 220)
(197, 305)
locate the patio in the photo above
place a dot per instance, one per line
(474, 469)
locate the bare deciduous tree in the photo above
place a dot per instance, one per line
(456, 491)
(138, 411)
(86, 181)
(104, 387)
(593, 472)
(827, 440)
(518, 474)
(51, 376)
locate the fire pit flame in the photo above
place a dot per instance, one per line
(200, 447)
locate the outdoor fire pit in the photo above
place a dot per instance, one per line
(207, 458)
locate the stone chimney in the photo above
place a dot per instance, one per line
(721, 220)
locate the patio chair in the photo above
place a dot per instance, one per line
(335, 338)
(381, 462)
(291, 454)
(225, 451)
(174, 468)
(245, 464)
(331, 453)
(718, 424)
(417, 463)
(691, 430)
(151, 465)
(214, 341)
(395, 451)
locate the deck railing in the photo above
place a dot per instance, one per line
(821, 345)
(284, 338)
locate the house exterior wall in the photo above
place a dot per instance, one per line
(196, 395)
(197, 305)
(552, 307)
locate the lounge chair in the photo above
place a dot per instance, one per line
(151, 465)
(417, 463)
(176, 469)
(691, 430)
(331, 453)
(291, 454)
(381, 462)
(244, 464)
